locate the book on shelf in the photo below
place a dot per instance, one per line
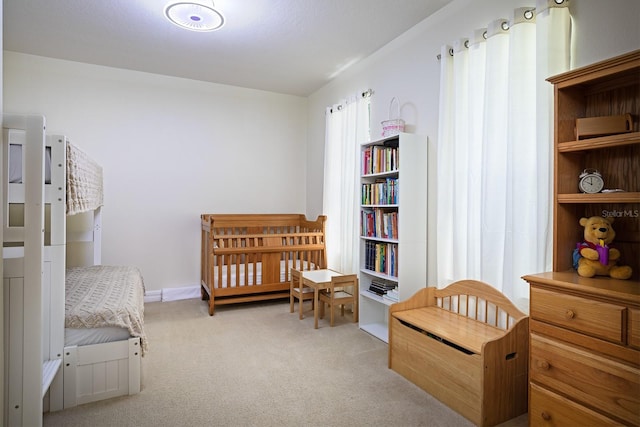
(379, 159)
(383, 284)
(384, 191)
(375, 291)
(381, 257)
(381, 287)
(378, 223)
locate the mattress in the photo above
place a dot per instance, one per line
(84, 336)
(100, 296)
(240, 271)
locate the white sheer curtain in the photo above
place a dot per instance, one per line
(347, 126)
(494, 149)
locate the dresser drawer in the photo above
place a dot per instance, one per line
(595, 318)
(549, 409)
(594, 381)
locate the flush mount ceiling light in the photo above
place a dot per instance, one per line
(194, 16)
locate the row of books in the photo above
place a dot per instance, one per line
(379, 159)
(381, 192)
(381, 287)
(382, 258)
(378, 223)
(386, 290)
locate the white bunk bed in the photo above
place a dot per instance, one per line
(37, 199)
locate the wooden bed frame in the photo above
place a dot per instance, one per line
(467, 345)
(265, 246)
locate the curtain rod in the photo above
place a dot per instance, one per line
(364, 94)
(527, 13)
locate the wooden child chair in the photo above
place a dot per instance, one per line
(341, 291)
(296, 290)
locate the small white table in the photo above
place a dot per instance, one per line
(317, 279)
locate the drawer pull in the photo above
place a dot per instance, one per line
(545, 416)
(570, 314)
(543, 364)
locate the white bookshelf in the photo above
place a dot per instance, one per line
(410, 177)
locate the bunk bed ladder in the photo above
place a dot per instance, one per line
(23, 278)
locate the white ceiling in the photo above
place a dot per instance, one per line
(285, 46)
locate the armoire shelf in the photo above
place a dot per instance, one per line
(607, 88)
(399, 166)
(597, 143)
(622, 197)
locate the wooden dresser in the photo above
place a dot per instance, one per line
(584, 346)
(584, 351)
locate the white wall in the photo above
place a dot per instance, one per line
(604, 29)
(171, 150)
(174, 148)
(408, 68)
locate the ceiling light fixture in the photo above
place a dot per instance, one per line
(194, 16)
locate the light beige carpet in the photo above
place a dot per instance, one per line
(258, 365)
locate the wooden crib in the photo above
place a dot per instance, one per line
(248, 257)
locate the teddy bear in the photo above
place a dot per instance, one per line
(593, 256)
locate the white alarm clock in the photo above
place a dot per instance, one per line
(590, 181)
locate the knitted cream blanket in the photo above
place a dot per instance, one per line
(101, 295)
(84, 182)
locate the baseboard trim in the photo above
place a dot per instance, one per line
(175, 294)
(153, 296)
